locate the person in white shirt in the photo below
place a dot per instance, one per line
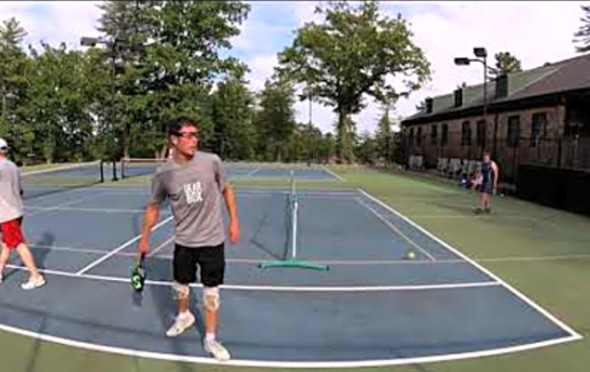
(11, 218)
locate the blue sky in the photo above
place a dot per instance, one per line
(530, 30)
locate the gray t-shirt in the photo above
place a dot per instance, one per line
(195, 193)
(11, 204)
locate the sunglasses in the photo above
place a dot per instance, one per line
(186, 134)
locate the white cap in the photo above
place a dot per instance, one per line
(3, 145)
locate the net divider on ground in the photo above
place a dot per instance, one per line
(292, 214)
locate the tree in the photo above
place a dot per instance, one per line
(275, 121)
(13, 72)
(327, 148)
(350, 56)
(384, 138)
(57, 105)
(582, 36)
(505, 64)
(233, 131)
(367, 148)
(127, 26)
(169, 52)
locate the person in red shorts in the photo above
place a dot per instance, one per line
(11, 217)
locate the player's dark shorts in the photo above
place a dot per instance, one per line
(188, 261)
(487, 188)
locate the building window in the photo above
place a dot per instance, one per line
(411, 137)
(466, 134)
(538, 127)
(444, 136)
(433, 134)
(419, 137)
(513, 132)
(481, 133)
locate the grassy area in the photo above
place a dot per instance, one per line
(525, 244)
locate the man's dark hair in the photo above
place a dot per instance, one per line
(176, 124)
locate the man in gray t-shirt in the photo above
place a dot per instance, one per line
(194, 183)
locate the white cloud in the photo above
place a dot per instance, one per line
(261, 68)
(305, 12)
(54, 21)
(535, 32)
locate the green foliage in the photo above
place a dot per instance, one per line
(275, 120)
(354, 54)
(582, 36)
(505, 64)
(234, 132)
(160, 59)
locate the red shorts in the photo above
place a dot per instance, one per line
(12, 234)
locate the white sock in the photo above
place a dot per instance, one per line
(209, 337)
(184, 315)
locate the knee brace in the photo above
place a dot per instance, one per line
(181, 290)
(211, 299)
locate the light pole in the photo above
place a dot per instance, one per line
(481, 55)
(311, 150)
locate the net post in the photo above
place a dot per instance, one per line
(115, 170)
(294, 205)
(293, 261)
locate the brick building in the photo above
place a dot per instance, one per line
(540, 116)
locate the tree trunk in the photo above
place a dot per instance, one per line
(344, 153)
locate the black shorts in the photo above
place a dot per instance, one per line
(487, 188)
(210, 260)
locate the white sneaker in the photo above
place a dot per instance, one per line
(216, 349)
(180, 325)
(33, 283)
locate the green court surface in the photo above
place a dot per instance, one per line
(542, 252)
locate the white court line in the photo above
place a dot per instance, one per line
(332, 173)
(253, 261)
(120, 248)
(58, 168)
(158, 248)
(238, 287)
(547, 314)
(105, 210)
(279, 364)
(66, 249)
(61, 205)
(395, 229)
(468, 217)
(252, 172)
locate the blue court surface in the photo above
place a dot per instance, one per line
(372, 307)
(313, 172)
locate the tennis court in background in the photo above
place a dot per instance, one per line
(241, 170)
(372, 307)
